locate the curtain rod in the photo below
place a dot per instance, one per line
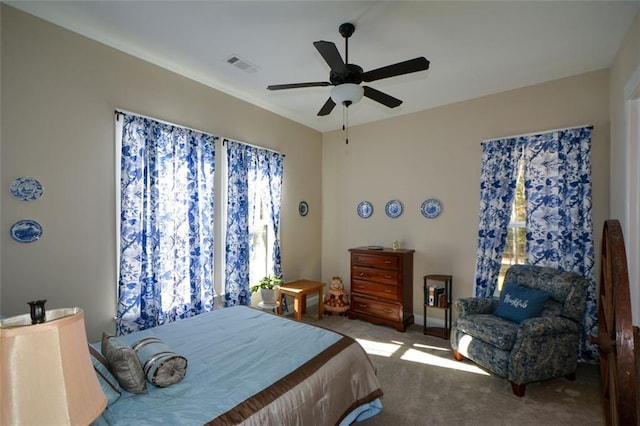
(224, 140)
(120, 112)
(537, 133)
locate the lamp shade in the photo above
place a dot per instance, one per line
(46, 374)
(347, 92)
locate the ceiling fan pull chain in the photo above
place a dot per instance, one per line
(345, 122)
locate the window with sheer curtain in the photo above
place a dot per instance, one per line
(253, 219)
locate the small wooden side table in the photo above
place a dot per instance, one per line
(299, 290)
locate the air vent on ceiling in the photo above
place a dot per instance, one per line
(243, 64)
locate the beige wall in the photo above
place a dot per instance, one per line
(436, 153)
(59, 91)
(625, 171)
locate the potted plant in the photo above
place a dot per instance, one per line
(268, 287)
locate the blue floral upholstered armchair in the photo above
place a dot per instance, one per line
(540, 344)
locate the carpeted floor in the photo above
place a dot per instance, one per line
(424, 385)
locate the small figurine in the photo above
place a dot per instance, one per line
(336, 299)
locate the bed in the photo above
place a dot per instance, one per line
(246, 366)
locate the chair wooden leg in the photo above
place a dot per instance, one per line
(457, 355)
(518, 390)
(571, 376)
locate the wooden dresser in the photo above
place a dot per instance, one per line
(382, 286)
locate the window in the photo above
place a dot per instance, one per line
(515, 247)
(262, 238)
(254, 192)
(166, 180)
(168, 232)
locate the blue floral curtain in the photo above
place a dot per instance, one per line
(559, 221)
(251, 171)
(497, 188)
(166, 223)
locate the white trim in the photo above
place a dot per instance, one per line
(537, 133)
(631, 221)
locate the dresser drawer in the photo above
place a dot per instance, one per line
(375, 289)
(384, 276)
(375, 260)
(379, 309)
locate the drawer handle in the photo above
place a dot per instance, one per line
(362, 305)
(362, 274)
(387, 276)
(388, 311)
(360, 286)
(387, 291)
(387, 262)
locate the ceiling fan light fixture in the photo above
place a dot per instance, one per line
(346, 93)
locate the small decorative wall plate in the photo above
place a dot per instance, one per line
(26, 188)
(365, 209)
(303, 208)
(431, 208)
(393, 208)
(26, 231)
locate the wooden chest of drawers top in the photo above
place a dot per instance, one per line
(380, 259)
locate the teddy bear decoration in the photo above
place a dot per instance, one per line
(336, 299)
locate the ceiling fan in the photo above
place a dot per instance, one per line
(346, 77)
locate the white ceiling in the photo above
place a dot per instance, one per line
(476, 48)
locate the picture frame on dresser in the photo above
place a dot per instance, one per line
(382, 286)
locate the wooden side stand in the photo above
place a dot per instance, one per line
(299, 291)
(441, 301)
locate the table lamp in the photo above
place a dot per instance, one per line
(46, 374)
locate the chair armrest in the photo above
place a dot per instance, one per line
(548, 326)
(475, 305)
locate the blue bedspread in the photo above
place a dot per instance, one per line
(232, 354)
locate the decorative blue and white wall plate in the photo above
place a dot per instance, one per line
(393, 208)
(26, 231)
(26, 188)
(365, 209)
(431, 208)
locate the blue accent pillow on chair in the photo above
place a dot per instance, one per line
(518, 303)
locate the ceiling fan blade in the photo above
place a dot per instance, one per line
(298, 85)
(330, 53)
(327, 107)
(383, 98)
(406, 67)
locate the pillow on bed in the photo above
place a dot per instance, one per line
(124, 364)
(108, 383)
(162, 367)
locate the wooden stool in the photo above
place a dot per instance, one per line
(299, 290)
